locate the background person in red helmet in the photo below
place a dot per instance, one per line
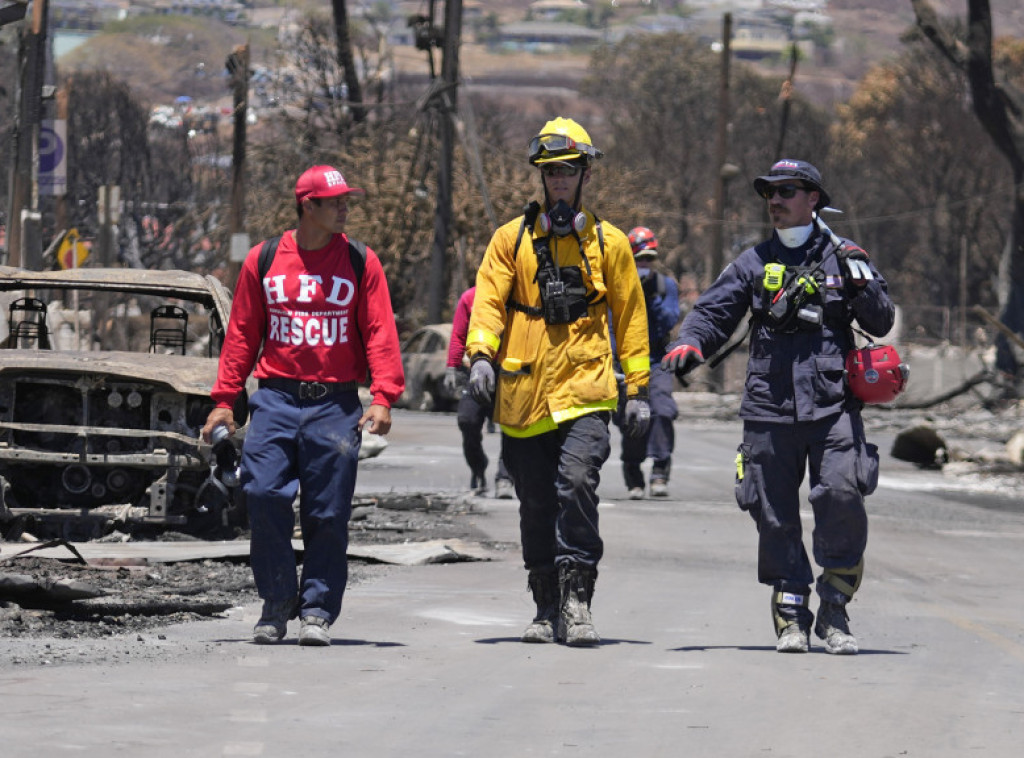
(309, 330)
(799, 413)
(552, 283)
(661, 297)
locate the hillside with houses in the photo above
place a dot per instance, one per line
(838, 40)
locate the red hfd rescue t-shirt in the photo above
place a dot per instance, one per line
(314, 320)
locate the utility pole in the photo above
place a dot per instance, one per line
(60, 207)
(715, 260)
(238, 66)
(23, 197)
(787, 100)
(721, 152)
(448, 106)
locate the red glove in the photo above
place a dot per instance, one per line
(682, 359)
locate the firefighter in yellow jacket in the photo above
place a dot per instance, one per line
(552, 285)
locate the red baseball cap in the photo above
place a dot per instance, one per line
(323, 181)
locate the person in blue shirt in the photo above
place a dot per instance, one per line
(661, 296)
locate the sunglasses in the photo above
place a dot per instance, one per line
(785, 191)
(559, 170)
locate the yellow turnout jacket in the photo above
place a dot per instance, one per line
(548, 374)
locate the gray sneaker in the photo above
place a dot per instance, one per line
(659, 488)
(273, 623)
(314, 631)
(833, 626)
(793, 639)
(503, 489)
(636, 493)
(267, 633)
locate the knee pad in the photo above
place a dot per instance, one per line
(844, 581)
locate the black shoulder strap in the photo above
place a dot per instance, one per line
(530, 211)
(267, 253)
(356, 251)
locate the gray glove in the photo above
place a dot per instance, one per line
(637, 417)
(481, 381)
(451, 380)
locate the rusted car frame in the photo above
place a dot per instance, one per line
(104, 388)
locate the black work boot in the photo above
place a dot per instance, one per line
(544, 585)
(478, 483)
(576, 627)
(833, 626)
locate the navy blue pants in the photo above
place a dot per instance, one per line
(842, 468)
(309, 448)
(556, 476)
(660, 440)
(472, 417)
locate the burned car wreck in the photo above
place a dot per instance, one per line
(105, 377)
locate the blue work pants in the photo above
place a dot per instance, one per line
(310, 448)
(842, 471)
(660, 439)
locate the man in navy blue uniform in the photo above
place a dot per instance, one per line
(661, 296)
(804, 292)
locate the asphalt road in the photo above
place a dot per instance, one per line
(426, 660)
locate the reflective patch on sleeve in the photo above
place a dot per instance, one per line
(637, 363)
(490, 339)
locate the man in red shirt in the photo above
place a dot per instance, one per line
(472, 414)
(309, 330)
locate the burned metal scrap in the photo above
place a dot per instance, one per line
(105, 377)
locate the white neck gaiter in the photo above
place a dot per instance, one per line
(795, 236)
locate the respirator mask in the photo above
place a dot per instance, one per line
(562, 220)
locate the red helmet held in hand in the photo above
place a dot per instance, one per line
(876, 374)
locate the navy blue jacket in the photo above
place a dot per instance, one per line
(797, 376)
(662, 311)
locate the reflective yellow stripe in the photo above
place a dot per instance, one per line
(544, 425)
(637, 363)
(488, 338)
(550, 423)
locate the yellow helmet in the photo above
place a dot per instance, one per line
(562, 139)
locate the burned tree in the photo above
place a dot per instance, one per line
(999, 107)
(346, 59)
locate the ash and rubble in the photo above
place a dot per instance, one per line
(57, 610)
(119, 611)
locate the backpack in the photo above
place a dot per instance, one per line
(356, 251)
